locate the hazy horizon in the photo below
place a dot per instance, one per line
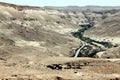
(60, 3)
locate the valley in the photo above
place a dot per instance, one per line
(89, 43)
(59, 43)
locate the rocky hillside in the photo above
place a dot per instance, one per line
(31, 32)
(106, 28)
(44, 31)
(36, 43)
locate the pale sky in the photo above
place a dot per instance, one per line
(64, 2)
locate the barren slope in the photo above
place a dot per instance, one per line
(34, 43)
(34, 33)
(108, 27)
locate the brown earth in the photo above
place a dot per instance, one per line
(35, 44)
(64, 69)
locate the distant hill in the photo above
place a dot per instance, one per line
(81, 8)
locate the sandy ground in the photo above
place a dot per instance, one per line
(81, 69)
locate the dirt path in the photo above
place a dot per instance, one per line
(78, 51)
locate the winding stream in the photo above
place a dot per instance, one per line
(78, 51)
(84, 40)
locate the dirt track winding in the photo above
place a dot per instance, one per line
(77, 52)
